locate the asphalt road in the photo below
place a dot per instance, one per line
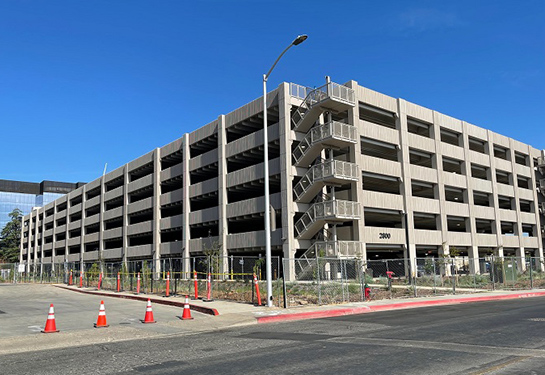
(506, 337)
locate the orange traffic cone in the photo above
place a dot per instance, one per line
(101, 321)
(149, 314)
(50, 325)
(187, 311)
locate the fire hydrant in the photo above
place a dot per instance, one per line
(367, 291)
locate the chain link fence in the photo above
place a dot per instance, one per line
(311, 280)
(231, 278)
(324, 281)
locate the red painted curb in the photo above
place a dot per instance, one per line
(201, 309)
(393, 306)
(313, 314)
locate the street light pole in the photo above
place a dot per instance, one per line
(268, 260)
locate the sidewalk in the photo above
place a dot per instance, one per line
(229, 314)
(217, 315)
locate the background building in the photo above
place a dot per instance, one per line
(352, 173)
(26, 195)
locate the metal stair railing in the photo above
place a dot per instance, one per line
(339, 209)
(299, 91)
(331, 168)
(306, 266)
(327, 249)
(329, 90)
(335, 249)
(542, 186)
(332, 129)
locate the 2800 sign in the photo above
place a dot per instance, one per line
(384, 236)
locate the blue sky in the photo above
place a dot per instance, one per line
(84, 83)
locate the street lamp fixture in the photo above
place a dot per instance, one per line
(268, 261)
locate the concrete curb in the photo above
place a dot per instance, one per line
(201, 309)
(387, 307)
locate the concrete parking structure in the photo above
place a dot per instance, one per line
(353, 173)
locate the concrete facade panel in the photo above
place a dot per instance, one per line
(203, 216)
(459, 239)
(456, 180)
(427, 237)
(252, 173)
(172, 197)
(503, 165)
(113, 213)
(506, 190)
(457, 209)
(251, 240)
(380, 166)
(145, 227)
(172, 172)
(253, 205)
(144, 204)
(250, 141)
(142, 251)
(478, 158)
(140, 162)
(423, 173)
(172, 222)
(480, 185)
(203, 132)
(203, 160)
(369, 130)
(204, 187)
(510, 241)
(172, 248)
(141, 183)
(375, 235)
(113, 194)
(111, 254)
(93, 237)
(383, 200)
(483, 239)
(426, 205)
(422, 143)
(112, 233)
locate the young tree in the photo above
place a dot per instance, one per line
(10, 238)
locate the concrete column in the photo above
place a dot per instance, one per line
(497, 220)
(53, 243)
(185, 203)
(101, 224)
(444, 249)
(521, 263)
(22, 241)
(521, 259)
(356, 187)
(473, 251)
(66, 229)
(124, 229)
(222, 193)
(286, 188)
(474, 265)
(82, 226)
(540, 223)
(156, 248)
(42, 224)
(32, 226)
(408, 223)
